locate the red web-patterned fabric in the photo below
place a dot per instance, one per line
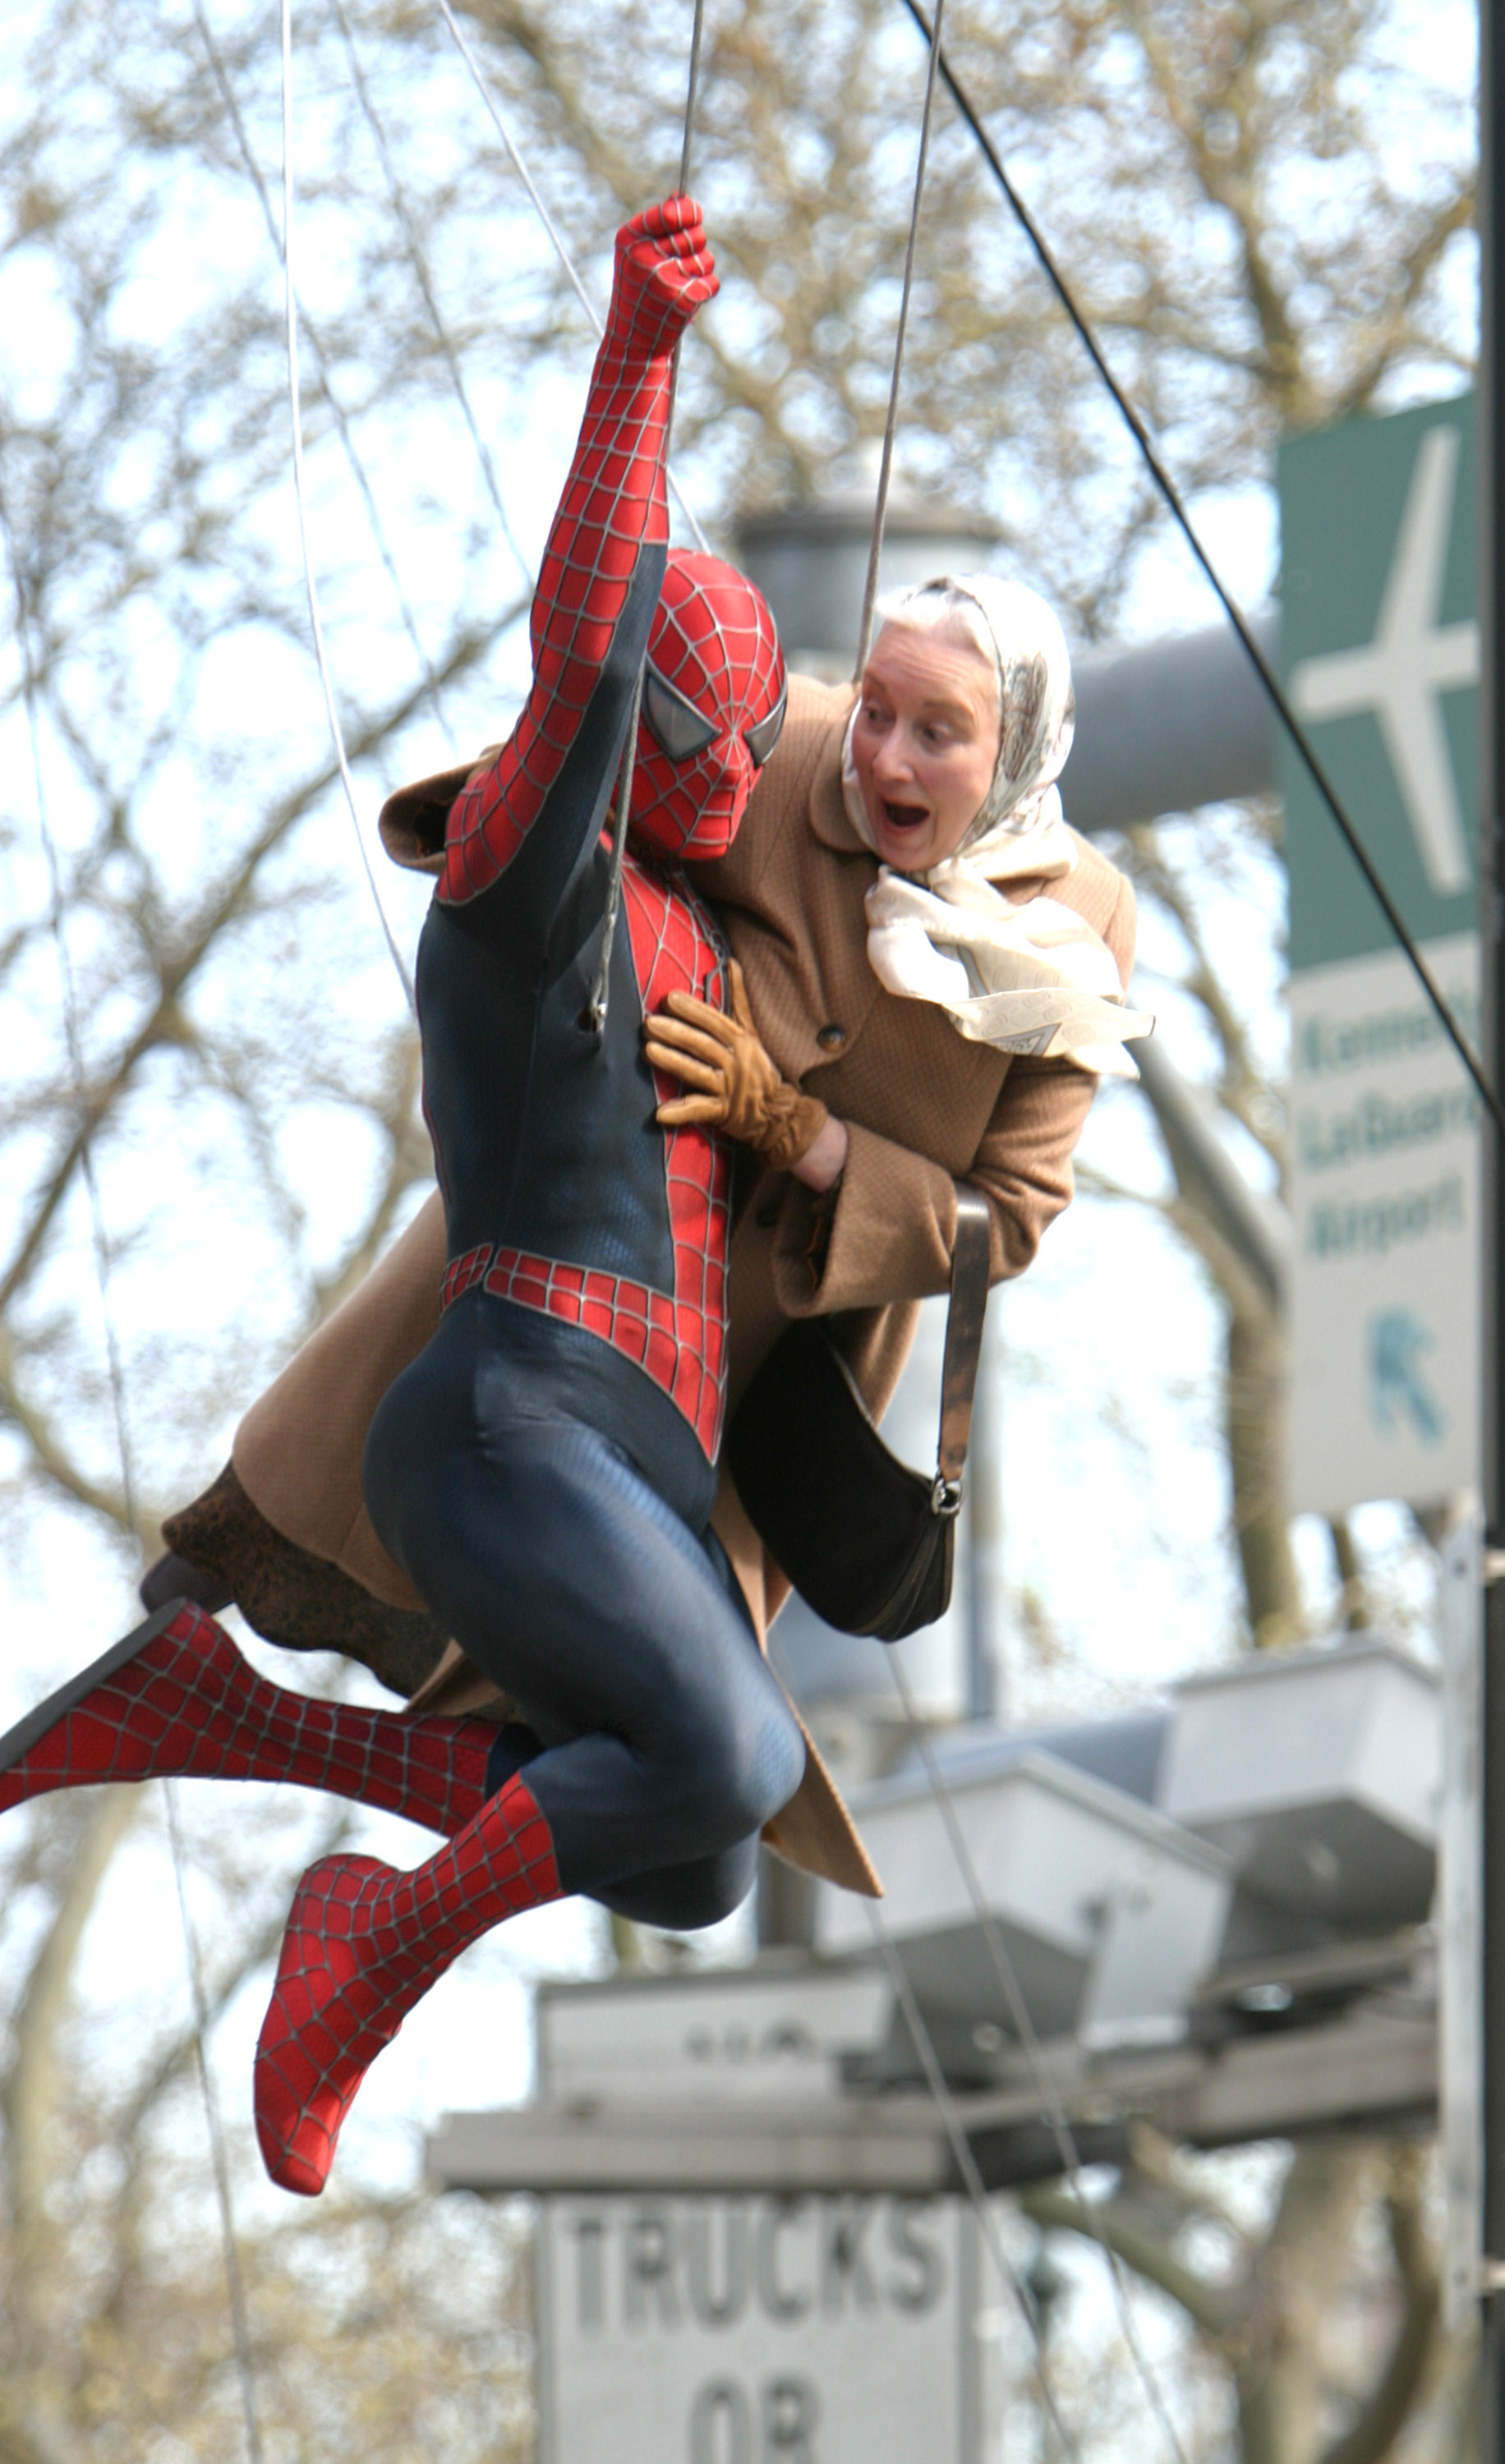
(184, 1703)
(364, 1944)
(614, 504)
(461, 1272)
(677, 948)
(677, 1338)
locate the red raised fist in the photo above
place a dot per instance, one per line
(664, 272)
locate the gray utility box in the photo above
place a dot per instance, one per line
(1110, 1914)
(1318, 1774)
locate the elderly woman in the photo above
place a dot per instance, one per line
(936, 965)
(929, 980)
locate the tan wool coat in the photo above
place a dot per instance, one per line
(923, 1108)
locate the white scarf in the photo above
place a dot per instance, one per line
(1031, 978)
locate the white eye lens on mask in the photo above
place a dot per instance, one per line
(760, 740)
(677, 727)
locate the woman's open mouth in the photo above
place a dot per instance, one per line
(905, 817)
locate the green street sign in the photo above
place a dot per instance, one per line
(1380, 644)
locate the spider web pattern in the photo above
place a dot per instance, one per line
(187, 1705)
(614, 503)
(364, 1944)
(461, 1272)
(677, 1338)
(714, 639)
(676, 947)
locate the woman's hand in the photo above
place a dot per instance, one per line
(733, 1085)
(822, 1165)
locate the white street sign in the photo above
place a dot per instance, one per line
(1384, 1185)
(757, 2331)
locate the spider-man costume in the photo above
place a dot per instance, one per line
(544, 1470)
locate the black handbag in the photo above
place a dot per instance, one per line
(868, 1543)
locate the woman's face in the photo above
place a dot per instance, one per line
(926, 742)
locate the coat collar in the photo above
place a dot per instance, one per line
(828, 807)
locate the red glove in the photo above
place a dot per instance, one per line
(664, 272)
(613, 505)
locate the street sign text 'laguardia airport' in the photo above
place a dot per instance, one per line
(1380, 648)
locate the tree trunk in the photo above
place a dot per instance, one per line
(1256, 1406)
(1281, 2381)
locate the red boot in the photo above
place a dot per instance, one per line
(176, 1700)
(362, 1945)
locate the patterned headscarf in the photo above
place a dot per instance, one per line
(1027, 978)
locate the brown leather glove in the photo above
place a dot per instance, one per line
(734, 1085)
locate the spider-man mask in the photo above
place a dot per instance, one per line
(713, 705)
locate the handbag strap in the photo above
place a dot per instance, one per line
(970, 1261)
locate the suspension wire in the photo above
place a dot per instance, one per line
(1023, 2025)
(358, 471)
(1044, 2084)
(294, 405)
(870, 591)
(1169, 492)
(420, 266)
(595, 1014)
(601, 986)
(1024, 2028)
(556, 242)
(966, 2166)
(103, 1261)
(239, 2313)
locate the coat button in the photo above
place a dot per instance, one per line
(831, 1039)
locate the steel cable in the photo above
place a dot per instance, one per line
(352, 453)
(601, 984)
(556, 242)
(425, 282)
(1045, 2087)
(967, 2166)
(294, 405)
(870, 591)
(240, 2326)
(1266, 673)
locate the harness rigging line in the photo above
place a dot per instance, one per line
(601, 986)
(870, 591)
(358, 471)
(1045, 2087)
(421, 274)
(966, 2166)
(240, 2328)
(296, 407)
(1169, 492)
(551, 228)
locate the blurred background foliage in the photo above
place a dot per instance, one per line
(1264, 206)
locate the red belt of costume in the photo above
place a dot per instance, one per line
(682, 1348)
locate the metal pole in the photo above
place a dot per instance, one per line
(1491, 922)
